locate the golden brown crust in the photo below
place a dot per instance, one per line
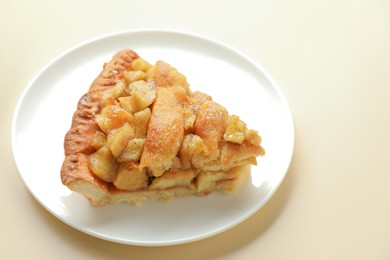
(164, 75)
(75, 168)
(165, 132)
(210, 125)
(77, 142)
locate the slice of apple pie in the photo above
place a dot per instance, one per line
(141, 134)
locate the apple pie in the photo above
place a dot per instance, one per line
(140, 134)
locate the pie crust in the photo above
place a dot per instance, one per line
(141, 134)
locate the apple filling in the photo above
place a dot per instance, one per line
(155, 134)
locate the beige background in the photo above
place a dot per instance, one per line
(331, 59)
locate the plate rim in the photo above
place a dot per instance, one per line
(57, 58)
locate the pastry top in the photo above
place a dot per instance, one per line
(165, 131)
(164, 75)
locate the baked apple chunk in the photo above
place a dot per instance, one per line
(141, 134)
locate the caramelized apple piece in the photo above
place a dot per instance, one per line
(235, 131)
(141, 121)
(173, 178)
(112, 117)
(117, 139)
(142, 99)
(103, 164)
(126, 103)
(192, 147)
(133, 150)
(140, 64)
(141, 95)
(129, 177)
(253, 137)
(140, 85)
(134, 75)
(189, 120)
(99, 140)
(110, 95)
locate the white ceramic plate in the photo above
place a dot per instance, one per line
(44, 113)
